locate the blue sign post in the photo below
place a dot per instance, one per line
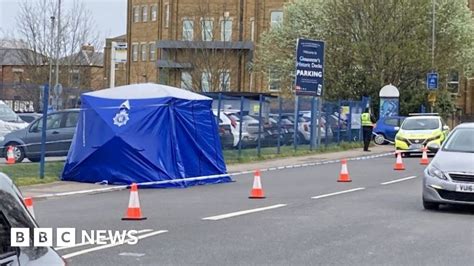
(432, 81)
(309, 67)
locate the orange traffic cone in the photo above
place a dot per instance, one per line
(424, 158)
(10, 155)
(134, 211)
(29, 205)
(344, 175)
(399, 164)
(257, 190)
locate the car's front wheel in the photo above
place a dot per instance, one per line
(18, 151)
(428, 205)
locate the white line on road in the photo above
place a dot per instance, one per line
(398, 180)
(233, 214)
(92, 243)
(70, 255)
(337, 193)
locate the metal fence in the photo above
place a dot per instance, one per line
(258, 124)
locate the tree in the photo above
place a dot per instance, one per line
(35, 30)
(372, 43)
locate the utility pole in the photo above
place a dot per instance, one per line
(51, 54)
(433, 29)
(58, 43)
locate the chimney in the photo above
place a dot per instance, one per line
(88, 48)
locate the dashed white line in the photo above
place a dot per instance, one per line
(233, 214)
(338, 193)
(81, 252)
(398, 180)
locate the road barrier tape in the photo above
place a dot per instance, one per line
(199, 178)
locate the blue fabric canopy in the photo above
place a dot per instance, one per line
(146, 133)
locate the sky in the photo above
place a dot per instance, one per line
(110, 16)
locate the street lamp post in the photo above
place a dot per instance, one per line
(51, 54)
(58, 43)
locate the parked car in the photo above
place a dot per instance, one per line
(386, 129)
(13, 214)
(226, 136)
(449, 178)
(9, 121)
(29, 117)
(232, 122)
(26, 142)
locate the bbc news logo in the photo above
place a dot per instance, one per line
(66, 237)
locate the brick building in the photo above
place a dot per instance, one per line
(22, 72)
(115, 56)
(203, 45)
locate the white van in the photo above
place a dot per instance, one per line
(9, 121)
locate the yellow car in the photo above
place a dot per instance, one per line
(419, 130)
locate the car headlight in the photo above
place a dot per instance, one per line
(433, 138)
(433, 171)
(400, 138)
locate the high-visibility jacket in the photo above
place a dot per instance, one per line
(365, 119)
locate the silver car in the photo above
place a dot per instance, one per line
(449, 178)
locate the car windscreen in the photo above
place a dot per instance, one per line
(420, 124)
(6, 114)
(461, 140)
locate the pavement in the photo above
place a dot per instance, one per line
(64, 188)
(307, 218)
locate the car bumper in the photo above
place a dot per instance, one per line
(407, 147)
(444, 191)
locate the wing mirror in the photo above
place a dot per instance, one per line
(433, 147)
(396, 128)
(445, 128)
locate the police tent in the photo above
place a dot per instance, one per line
(150, 134)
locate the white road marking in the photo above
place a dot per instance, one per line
(338, 193)
(93, 243)
(130, 254)
(398, 180)
(233, 214)
(81, 252)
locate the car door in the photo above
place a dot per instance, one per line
(53, 135)
(69, 130)
(390, 124)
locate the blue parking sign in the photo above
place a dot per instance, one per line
(432, 81)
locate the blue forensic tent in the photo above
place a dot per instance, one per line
(146, 133)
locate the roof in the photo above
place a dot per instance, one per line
(16, 56)
(466, 125)
(85, 58)
(146, 91)
(423, 117)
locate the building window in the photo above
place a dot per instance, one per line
(206, 82)
(136, 14)
(17, 76)
(75, 78)
(188, 30)
(274, 82)
(252, 29)
(226, 30)
(134, 52)
(186, 81)
(167, 15)
(154, 12)
(453, 82)
(276, 18)
(144, 13)
(152, 49)
(144, 51)
(206, 29)
(224, 80)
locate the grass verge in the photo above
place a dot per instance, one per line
(24, 174)
(250, 155)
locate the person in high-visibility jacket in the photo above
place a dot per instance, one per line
(367, 121)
